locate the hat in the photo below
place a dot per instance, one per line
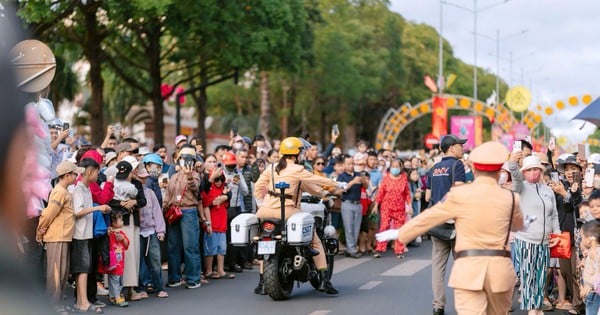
(532, 161)
(569, 159)
(109, 157)
(488, 157)
(142, 173)
(124, 147)
(66, 167)
(94, 155)
(132, 161)
(187, 151)
(247, 140)
(180, 138)
(123, 169)
(450, 140)
(144, 150)
(594, 158)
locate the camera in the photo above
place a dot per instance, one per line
(219, 164)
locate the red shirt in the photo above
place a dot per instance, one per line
(218, 214)
(116, 253)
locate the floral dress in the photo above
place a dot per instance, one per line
(392, 197)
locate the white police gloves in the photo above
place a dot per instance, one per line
(388, 235)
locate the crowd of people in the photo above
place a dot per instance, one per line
(107, 222)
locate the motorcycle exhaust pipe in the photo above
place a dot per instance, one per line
(299, 262)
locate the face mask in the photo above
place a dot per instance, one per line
(238, 146)
(533, 177)
(387, 164)
(587, 216)
(395, 171)
(154, 172)
(503, 178)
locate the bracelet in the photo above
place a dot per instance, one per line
(207, 222)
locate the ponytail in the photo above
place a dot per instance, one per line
(281, 165)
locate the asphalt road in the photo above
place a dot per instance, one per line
(367, 286)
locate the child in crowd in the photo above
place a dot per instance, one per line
(81, 246)
(118, 244)
(590, 291)
(124, 189)
(55, 230)
(152, 232)
(215, 203)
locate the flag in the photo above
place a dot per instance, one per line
(430, 84)
(439, 117)
(451, 79)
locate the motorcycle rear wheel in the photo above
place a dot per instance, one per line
(276, 285)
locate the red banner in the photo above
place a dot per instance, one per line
(439, 117)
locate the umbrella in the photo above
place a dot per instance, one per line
(591, 113)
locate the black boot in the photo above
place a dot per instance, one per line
(326, 285)
(260, 288)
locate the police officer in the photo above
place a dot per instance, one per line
(300, 180)
(483, 276)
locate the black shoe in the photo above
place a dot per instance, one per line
(247, 266)
(236, 268)
(353, 255)
(260, 288)
(326, 285)
(438, 311)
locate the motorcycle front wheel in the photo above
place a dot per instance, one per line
(276, 285)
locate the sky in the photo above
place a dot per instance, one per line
(554, 44)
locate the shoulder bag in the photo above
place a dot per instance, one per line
(445, 231)
(174, 213)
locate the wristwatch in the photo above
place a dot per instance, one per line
(207, 222)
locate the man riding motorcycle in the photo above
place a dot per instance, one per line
(290, 171)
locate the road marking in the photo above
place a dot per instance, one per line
(408, 268)
(344, 264)
(320, 312)
(370, 285)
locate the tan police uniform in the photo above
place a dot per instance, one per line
(483, 277)
(300, 180)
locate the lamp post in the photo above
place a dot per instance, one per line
(498, 39)
(474, 11)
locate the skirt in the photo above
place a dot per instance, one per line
(533, 260)
(132, 255)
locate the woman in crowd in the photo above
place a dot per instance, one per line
(319, 165)
(532, 245)
(393, 203)
(273, 157)
(184, 235)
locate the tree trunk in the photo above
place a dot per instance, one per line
(285, 109)
(153, 55)
(92, 51)
(265, 114)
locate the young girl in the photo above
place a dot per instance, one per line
(118, 245)
(591, 269)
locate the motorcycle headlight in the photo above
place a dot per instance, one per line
(329, 231)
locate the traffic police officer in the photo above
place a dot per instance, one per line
(483, 276)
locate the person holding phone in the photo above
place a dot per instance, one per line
(568, 197)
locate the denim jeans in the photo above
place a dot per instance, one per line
(183, 238)
(150, 261)
(352, 217)
(592, 303)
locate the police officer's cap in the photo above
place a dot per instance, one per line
(489, 156)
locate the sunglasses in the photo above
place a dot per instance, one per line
(319, 163)
(219, 179)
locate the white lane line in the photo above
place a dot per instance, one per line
(407, 268)
(320, 312)
(370, 285)
(344, 264)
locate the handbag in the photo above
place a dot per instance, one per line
(563, 248)
(174, 213)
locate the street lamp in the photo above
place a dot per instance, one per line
(498, 39)
(474, 11)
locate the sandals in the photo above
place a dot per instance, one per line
(566, 306)
(91, 309)
(216, 276)
(162, 294)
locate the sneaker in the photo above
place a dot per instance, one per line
(120, 302)
(174, 284)
(377, 255)
(101, 291)
(193, 285)
(99, 304)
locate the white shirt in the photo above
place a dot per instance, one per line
(82, 199)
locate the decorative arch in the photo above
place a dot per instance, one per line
(396, 120)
